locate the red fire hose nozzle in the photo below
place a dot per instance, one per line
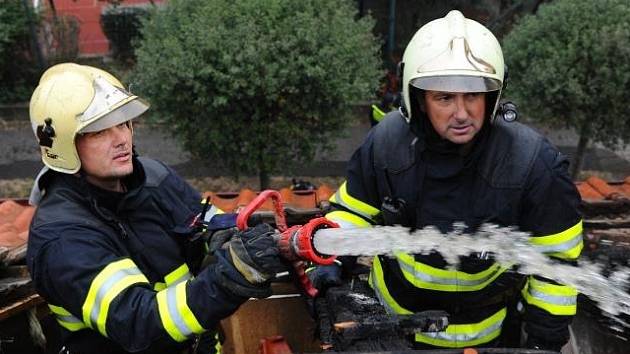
(296, 243)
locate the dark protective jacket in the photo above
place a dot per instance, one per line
(116, 268)
(512, 176)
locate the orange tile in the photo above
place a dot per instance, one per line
(324, 193)
(9, 210)
(10, 236)
(588, 192)
(625, 187)
(601, 186)
(23, 220)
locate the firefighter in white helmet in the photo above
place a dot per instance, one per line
(452, 153)
(112, 246)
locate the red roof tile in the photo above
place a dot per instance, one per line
(15, 215)
(297, 200)
(595, 188)
(14, 221)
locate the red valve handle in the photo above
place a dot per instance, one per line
(281, 225)
(245, 213)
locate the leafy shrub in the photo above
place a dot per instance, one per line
(17, 68)
(570, 66)
(258, 85)
(121, 26)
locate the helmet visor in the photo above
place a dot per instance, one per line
(128, 111)
(456, 83)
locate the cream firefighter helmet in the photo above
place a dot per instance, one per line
(452, 54)
(72, 99)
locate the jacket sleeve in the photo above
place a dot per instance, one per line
(86, 279)
(551, 214)
(356, 201)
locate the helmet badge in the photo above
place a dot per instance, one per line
(46, 133)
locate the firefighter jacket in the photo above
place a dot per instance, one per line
(511, 176)
(115, 269)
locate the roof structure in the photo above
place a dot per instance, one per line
(595, 188)
(606, 209)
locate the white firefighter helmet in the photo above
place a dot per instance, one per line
(453, 54)
(72, 99)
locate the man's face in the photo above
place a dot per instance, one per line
(457, 117)
(106, 155)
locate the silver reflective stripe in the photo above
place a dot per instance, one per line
(171, 301)
(108, 284)
(565, 246)
(553, 299)
(211, 213)
(68, 318)
(445, 281)
(465, 337)
(182, 278)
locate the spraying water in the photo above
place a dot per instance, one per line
(506, 245)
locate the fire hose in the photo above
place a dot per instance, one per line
(295, 243)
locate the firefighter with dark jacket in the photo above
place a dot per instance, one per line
(112, 244)
(448, 156)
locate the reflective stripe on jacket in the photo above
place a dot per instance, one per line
(520, 180)
(117, 278)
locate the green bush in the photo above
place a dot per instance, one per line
(17, 68)
(570, 66)
(121, 26)
(258, 85)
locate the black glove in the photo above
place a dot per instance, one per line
(215, 241)
(254, 253)
(325, 276)
(219, 238)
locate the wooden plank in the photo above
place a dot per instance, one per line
(616, 223)
(285, 313)
(20, 306)
(15, 255)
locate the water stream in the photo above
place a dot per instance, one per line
(506, 245)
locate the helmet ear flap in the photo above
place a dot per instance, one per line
(400, 69)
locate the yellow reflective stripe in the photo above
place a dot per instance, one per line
(466, 335)
(553, 298)
(567, 244)
(347, 220)
(377, 282)
(217, 346)
(177, 318)
(180, 274)
(344, 199)
(427, 277)
(66, 319)
(377, 113)
(159, 286)
(111, 281)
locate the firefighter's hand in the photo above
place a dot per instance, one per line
(219, 239)
(255, 254)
